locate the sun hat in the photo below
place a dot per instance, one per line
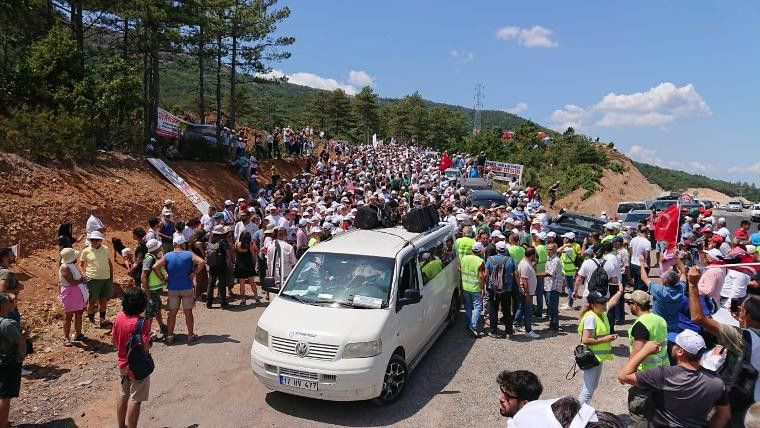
(179, 240)
(127, 252)
(153, 244)
(69, 255)
(95, 235)
(270, 228)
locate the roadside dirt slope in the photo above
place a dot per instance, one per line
(613, 188)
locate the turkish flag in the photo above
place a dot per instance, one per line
(739, 256)
(445, 162)
(666, 226)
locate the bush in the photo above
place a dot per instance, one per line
(46, 134)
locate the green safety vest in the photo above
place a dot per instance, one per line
(568, 264)
(464, 246)
(517, 252)
(154, 283)
(603, 351)
(470, 265)
(312, 242)
(432, 268)
(607, 238)
(658, 332)
(542, 256)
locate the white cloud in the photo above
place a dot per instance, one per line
(643, 154)
(518, 108)
(462, 56)
(660, 105)
(570, 115)
(753, 169)
(355, 78)
(360, 78)
(534, 37)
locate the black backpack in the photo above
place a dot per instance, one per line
(599, 280)
(372, 217)
(215, 257)
(139, 360)
(740, 377)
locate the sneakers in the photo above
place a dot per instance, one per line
(532, 335)
(519, 329)
(473, 333)
(493, 334)
(565, 307)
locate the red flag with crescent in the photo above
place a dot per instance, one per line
(445, 162)
(666, 226)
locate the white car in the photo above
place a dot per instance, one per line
(755, 213)
(734, 205)
(357, 313)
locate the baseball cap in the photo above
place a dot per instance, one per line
(179, 240)
(617, 239)
(640, 297)
(715, 253)
(168, 202)
(497, 234)
(315, 230)
(723, 232)
(501, 246)
(691, 342)
(569, 235)
(228, 203)
(542, 236)
(596, 297)
(717, 239)
(302, 222)
(477, 247)
(95, 235)
(551, 234)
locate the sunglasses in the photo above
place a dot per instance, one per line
(507, 395)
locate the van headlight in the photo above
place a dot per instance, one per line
(262, 336)
(363, 349)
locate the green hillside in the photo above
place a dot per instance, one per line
(674, 180)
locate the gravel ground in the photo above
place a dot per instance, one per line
(210, 383)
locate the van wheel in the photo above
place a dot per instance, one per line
(394, 382)
(451, 318)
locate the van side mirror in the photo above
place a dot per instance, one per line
(269, 285)
(410, 297)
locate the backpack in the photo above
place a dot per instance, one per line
(215, 255)
(496, 276)
(741, 376)
(139, 360)
(599, 280)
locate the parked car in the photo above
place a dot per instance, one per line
(452, 174)
(357, 314)
(633, 218)
(734, 205)
(624, 208)
(705, 203)
(475, 183)
(486, 198)
(580, 224)
(660, 204)
(755, 213)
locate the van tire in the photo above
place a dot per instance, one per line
(453, 314)
(394, 380)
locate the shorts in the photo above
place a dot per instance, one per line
(153, 305)
(136, 390)
(10, 380)
(187, 298)
(100, 288)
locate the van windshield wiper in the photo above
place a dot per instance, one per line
(297, 299)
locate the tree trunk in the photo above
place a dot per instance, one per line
(147, 130)
(201, 81)
(218, 89)
(78, 27)
(124, 41)
(233, 72)
(155, 80)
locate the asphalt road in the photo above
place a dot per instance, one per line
(733, 219)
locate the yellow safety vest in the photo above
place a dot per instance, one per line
(658, 332)
(568, 264)
(470, 266)
(432, 268)
(603, 351)
(154, 283)
(464, 246)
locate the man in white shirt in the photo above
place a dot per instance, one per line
(286, 256)
(589, 266)
(229, 217)
(734, 287)
(640, 247)
(246, 224)
(94, 224)
(207, 220)
(273, 217)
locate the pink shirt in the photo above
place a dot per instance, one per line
(711, 283)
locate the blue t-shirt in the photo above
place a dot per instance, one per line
(755, 239)
(179, 265)
(509, 270)
(666, 302)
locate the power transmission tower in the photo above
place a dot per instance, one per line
(479, 95)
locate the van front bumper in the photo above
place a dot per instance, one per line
(352, 379)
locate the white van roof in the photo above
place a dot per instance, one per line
(385, 242)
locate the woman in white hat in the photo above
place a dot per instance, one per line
(69, 279)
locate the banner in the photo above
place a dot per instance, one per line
(169, 125)
(666, 225)
(504, 171)
(181, 184)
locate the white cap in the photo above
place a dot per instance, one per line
(228, 202)
(497, 234)
(569, 235)
(477, 247)
(691, 342)
(501, 246)
(715, 254)
(95, 235)
(241, 199)
(168, 202)
(179, 240)
(315, 230)
(551, 234)
(722, 232)
(153, 244)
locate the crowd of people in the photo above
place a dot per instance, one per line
(692, 327)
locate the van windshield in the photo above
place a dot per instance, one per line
(341, 279)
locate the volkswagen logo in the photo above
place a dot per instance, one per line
(302, 349)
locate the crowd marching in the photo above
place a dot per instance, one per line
(693, 340)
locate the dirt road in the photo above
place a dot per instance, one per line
(210, 383)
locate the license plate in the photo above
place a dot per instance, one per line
(299, 383)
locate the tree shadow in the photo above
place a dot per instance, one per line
(212, 338)
(95, 345)
(45, 372)
(430, 378)
(57, 423)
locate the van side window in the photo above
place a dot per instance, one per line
(432, 259)
(408, 279)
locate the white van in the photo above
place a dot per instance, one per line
(357, 313)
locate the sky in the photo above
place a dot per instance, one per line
(675, 83)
